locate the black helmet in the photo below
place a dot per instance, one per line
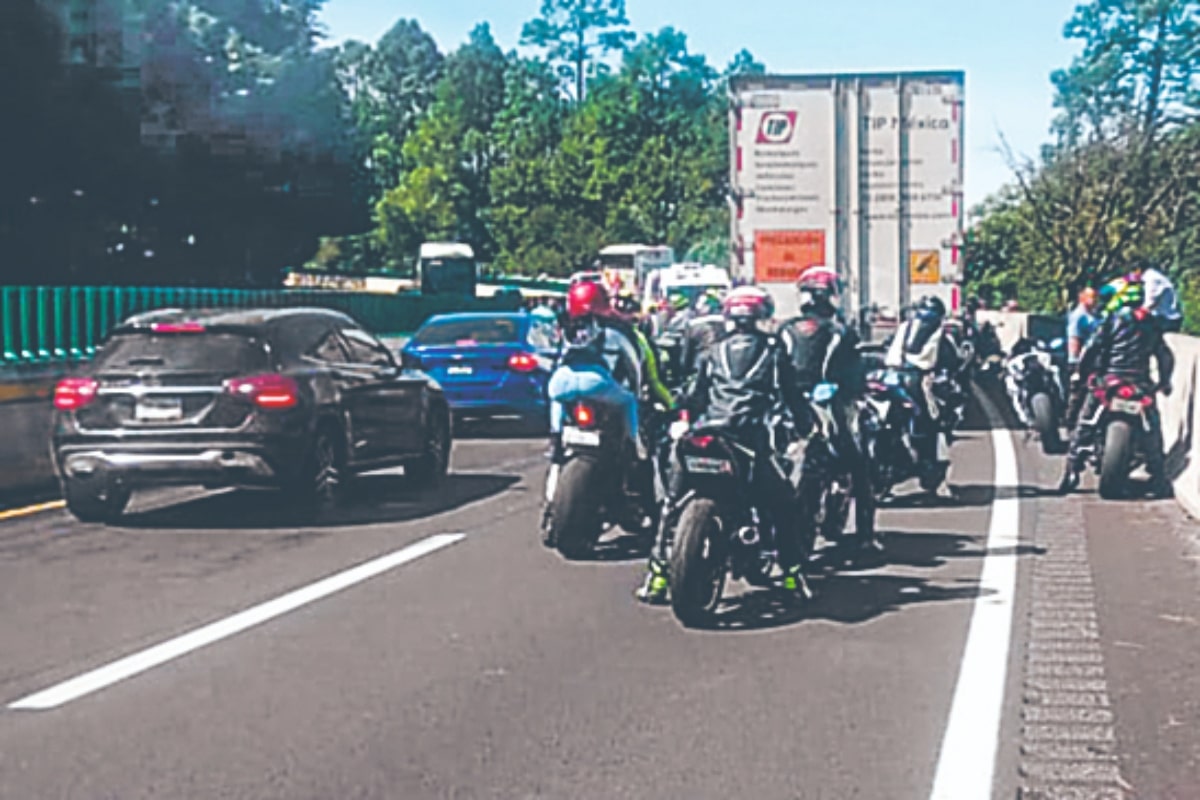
(931, 309)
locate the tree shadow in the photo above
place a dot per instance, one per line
(371, 500)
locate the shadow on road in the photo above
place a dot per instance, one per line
(852, 597)
(372, 500)
(967, 495)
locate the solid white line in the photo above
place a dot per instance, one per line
(967, 765)
(169, 650)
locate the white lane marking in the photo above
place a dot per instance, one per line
(967, 764)
(160, 654)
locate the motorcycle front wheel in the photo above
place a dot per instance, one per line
(697, 568)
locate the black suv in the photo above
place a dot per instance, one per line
(295, 399)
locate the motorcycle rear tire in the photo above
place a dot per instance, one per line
(575, 524)
(697, 568)
(1114, 465)
(1046, 423)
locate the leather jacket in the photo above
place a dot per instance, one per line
(1124, 344)
(740, 379)
(823, 350)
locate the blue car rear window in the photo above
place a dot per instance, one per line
(477, 331)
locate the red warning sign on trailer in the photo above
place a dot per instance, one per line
(780, 256)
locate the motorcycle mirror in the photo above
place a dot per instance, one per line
(1058, 344)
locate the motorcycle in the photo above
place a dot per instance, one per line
(595, 481)
(825, 487)
(1120, 430)
(717, 530)
(1034, 378)
(891, 433)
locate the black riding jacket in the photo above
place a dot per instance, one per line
(1124, 345)
(823, 350)
(740, 379)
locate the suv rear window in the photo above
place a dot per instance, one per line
(183, 352)
(479, 331)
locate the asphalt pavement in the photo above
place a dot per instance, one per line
(427, 646)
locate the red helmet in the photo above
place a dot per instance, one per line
(588, 299)
(818, 287)
(748, 303)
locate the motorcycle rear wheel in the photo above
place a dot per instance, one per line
(697, 568)
(1114, 464)
(1046, 424)
(574, 524)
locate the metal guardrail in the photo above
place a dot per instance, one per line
(47, 324)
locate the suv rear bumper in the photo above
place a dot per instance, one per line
(210, 464)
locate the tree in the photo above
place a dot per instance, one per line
(1115, 182)
(575, 34)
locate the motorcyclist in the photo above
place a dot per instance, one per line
(823, 349)
(920, 350)
(600, 360)
(705, 326)
(740, 380)
(1122, 347)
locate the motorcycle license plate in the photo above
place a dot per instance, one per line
(708, 466)
(1126, 406)
(581, 438)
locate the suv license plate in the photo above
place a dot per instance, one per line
(159, 410)
(581, 438)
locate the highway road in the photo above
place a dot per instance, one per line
(429, 647)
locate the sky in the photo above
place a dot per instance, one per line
(1007, 49)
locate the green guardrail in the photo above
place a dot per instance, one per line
(519, 282)
(45, 324)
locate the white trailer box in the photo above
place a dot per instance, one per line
(862, 173)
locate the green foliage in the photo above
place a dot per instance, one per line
(1121, 180)
(576, 34)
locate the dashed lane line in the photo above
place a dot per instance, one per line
(179, 646)
(967, 763)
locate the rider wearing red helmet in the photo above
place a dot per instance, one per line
(741, 379)
(823, 349)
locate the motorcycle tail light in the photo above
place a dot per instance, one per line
(1126, 392)
(585, 417)
(1147, 401)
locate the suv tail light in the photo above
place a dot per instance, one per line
(522, 362)
(177, 327)
(71, 394)
(266, 391)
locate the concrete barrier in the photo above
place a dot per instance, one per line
(26, 468)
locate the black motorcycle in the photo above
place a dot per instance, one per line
(1119, 432)
(824, 483)
(892, 433)
(717, 530)
(1034, 376)
(595, 481)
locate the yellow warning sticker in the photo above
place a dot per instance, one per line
(924, 267)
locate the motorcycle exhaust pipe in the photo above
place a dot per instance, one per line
(749, 536)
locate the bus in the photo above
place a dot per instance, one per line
(447, 268)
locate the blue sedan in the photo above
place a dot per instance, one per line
(489, 365)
